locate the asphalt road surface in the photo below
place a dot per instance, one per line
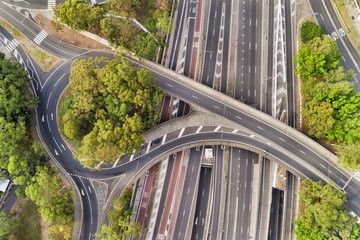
(275, 214)
(217, 193)
(188, 194)
(277, 144)
(201, 211)
(238, 205)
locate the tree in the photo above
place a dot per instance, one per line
(7, 223)
(339, 75)
(126, 8)
(349, 155)
(317, 57)
(310, 30)
(323, 215)
(120, 225)
(74, 13)
(110, 109)
(145, 45)
(163, 21)
(54, 205)
(318, 118)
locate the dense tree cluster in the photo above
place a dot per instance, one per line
(20, 156)
(120, 30)
(310, 30)
(323, 215)
(331, 105)
(120, 225)
(109, 109)
(7, 223)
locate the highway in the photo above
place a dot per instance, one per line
(216, 215)
(236, 69)
(278, 144)
(275, 214)
(238, 199)
(188, 194)
(289, 205)
(202, 201)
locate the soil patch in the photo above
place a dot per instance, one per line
(67, 35)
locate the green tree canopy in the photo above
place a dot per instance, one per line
(7, 223)
(310, 30)
(110, 109)
(120, 225)
(323, 215)
(79, 15)
(317, 57)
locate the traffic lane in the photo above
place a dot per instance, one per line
(233, 196)
(164, 193)
(166, 207)
(90, 208)
(211, 43)
(10, 199)
(187, 195)
(178, 32)
(289, 205)
(217, 194)
(202, 203)
(226, 46)
(254, 93)
(246, 193)
(191, 21)
(274, 214)
(291, 109)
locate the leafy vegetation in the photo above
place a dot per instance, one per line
(310, 30)
(24, 221)
(120, 225)
(323, 215)
(7, 223)
(20, 156)
(114, 19)
(331, 105)
(109, 109)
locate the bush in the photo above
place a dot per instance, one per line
(310, 30)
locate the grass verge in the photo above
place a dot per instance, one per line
(30, 225)
(43, 59)
(353, 35)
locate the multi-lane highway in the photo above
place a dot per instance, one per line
(202, 201)
(277, 143)
(217, 207)
(188, 194)
(239, 185)
(231, 56)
